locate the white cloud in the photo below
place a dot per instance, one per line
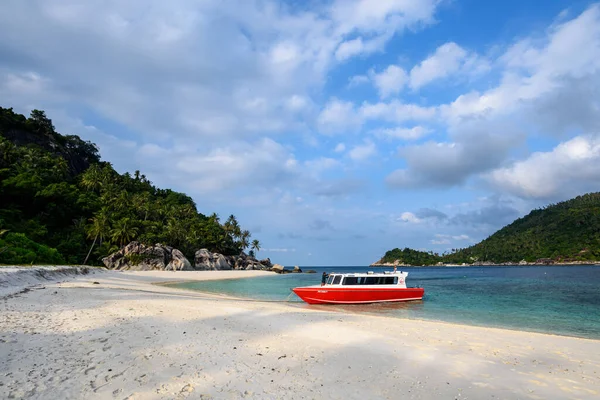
(541, 69)
(340, 148)
(447, 60)
(396, 111)
(448, 239)
(321, 164)
(358, 80)
(339, 117)
(445, 164)
(390, 81)
(410, 218)
(363, 151)
(571, 167)
(414, 133)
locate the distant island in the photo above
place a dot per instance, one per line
(60, 204)
(562, 233)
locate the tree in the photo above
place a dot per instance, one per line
(255, 245)
(244, 239)
(123, 231)
(98, 229)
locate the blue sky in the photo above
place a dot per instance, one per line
(333, 130)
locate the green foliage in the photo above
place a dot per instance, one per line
(16, 248)
(411, 257)
(567, 231)
(563, 232)
(55, 190)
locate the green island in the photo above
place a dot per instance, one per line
(564, 233)
(60, 204)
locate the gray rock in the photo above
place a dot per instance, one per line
(297, 269)
(278, 268)
(179, 262)
(139, 257)
(204, 260)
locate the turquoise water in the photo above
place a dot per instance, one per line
(563, 300)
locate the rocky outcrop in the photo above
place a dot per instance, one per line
(204, 260)
(278, 268)
(139, 257)
(297, 269)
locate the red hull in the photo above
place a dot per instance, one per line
(344, 295)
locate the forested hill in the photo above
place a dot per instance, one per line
(564, 232)
(58, 201)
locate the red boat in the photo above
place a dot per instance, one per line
(360, 288)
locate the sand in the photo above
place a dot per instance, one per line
(125, 338)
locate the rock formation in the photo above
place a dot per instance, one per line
(204, 260)
(138, 257)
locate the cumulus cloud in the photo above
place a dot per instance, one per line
(447, 60)
(363, 151)
(435, 164)
(390, 81)
(539, 69)
(414, 133)
(339, 117)
(494, 216)
(570, 168)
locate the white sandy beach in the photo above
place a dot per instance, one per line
(125, 338)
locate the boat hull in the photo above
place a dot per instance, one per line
(343, 295)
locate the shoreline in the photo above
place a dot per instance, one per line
(132, 338)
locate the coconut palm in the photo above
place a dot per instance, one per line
(255, 245)
(123, 231)
(244, 239)
(98, 229)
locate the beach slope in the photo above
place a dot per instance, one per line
(117, 335)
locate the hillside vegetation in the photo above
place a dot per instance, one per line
(564, 232)
(59, 203)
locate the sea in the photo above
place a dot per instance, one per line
(561, 300)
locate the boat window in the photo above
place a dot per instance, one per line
(337, 279)
(330, 279)
(350, 280)
(379, 280)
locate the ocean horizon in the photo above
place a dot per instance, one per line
(556, 299)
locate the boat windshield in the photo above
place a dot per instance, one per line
(330, 280)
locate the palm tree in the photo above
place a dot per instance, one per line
(244, 239)
(123, 231)
(255, 245)
(91, 179)
(98, 229)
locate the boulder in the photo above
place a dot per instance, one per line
(139, 257)
(297, 269)
(266, 262)
(179, 262)
(204, 260)
(278, 268)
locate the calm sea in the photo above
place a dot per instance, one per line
(563, 300)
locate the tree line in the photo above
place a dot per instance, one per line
(61, 204)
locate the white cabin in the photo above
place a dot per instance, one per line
(370, 278)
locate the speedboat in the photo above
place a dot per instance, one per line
(360, 288)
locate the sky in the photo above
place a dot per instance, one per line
(333, 130)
